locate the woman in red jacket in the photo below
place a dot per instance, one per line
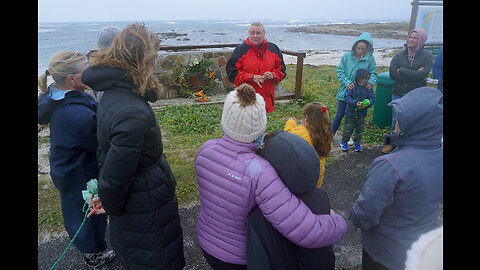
(258, 63)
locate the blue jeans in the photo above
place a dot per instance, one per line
(259, 140)
(342, 105)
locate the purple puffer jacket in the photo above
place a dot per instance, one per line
(232, 179)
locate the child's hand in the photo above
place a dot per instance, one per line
(363, 107)
(359, 104)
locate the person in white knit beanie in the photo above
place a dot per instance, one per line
(244, 117)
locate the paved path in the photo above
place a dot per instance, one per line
(343, 180)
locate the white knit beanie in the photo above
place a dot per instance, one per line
(244, 117)
(427, 252)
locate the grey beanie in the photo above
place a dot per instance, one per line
(244, 117)
(106, 36)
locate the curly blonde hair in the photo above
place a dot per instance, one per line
(133, 50)
(319, 126)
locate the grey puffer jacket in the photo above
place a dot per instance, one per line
(402, 190)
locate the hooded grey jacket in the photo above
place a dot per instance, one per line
(402, 190)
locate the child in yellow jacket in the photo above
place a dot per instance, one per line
(316, 130)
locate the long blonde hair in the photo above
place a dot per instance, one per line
(133, 50)
(319, 127)
(61, 64)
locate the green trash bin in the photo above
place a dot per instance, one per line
(382, 113)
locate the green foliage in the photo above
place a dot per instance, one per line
(190, 119)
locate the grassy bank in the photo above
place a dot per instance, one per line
(186, 128)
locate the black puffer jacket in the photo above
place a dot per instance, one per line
(408, 77)
(135, 183)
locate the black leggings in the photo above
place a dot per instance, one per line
(218, 264)
(369, 264)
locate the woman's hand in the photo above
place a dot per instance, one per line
(97, 207)
(351, 86)
(268, 75)
(258, 79)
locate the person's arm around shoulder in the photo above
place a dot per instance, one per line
(292, 218)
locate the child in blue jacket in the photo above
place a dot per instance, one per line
(358, 100)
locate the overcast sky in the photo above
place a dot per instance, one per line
(154, 10)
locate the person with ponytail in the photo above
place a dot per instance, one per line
(71, 114)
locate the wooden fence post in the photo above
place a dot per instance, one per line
(298, 76)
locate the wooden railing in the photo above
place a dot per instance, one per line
(300, 56)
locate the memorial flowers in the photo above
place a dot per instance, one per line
(196, 77)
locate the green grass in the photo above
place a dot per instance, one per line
(186, 128)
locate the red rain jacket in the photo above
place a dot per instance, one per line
(248, 59)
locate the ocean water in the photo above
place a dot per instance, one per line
(81, 36)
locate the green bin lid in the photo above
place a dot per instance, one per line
(384, 78)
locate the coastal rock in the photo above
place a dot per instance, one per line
(168, 35)
(378, 30)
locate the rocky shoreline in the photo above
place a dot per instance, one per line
(378, 30)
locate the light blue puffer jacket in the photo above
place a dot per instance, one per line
(349, 65)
